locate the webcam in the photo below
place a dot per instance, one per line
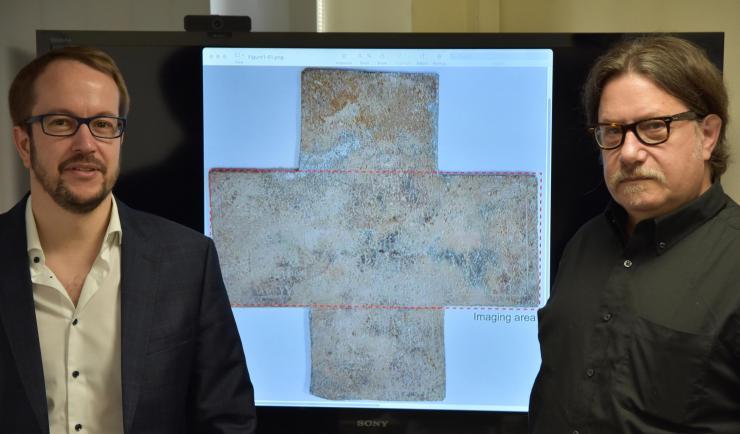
(217, 23)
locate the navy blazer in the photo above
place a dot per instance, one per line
(182, 364)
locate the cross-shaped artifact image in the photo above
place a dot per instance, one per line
(370, 237)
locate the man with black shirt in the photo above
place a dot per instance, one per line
(641, 333)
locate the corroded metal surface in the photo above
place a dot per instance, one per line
(306, 238)
(377, 354)
(368, 120)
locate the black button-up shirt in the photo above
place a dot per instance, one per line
(642, 334)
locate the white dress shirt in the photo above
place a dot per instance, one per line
(80, 346)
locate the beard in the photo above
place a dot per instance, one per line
(631, 194)
(60, 192)
(646, 173)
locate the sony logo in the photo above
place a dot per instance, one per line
(372, 423)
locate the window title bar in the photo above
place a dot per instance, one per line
(353, 57)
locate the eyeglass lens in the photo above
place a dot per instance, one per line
(650, 131)
(63, 125)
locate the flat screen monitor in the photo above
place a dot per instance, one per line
(389, 209)
(382, 216)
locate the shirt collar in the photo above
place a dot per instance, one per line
(114, 231)
(669, 229)
(33, 243)
(111, 240)
(32, 235)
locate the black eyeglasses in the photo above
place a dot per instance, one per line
(65, 125)
(652, 131)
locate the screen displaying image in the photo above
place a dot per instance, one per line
(382, 218)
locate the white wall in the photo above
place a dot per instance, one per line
(271, 15)
(366, 15)
(266, 15)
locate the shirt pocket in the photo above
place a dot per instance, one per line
(658, 377)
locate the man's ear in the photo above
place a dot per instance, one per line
(710, 128)
(22, 140)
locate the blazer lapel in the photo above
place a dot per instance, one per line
(139, 277)
(17, 311)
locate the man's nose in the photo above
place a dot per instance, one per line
(83, 140)
(632, 150)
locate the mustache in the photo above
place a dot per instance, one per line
(87, 159)
(639, 172)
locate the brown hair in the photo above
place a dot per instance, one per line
(677, 66)
(21, 96)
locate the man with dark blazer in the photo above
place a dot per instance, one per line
(111, 320)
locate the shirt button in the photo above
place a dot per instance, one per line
(36, 259)
(627, 263)
(607, 316)
(575, 431)
(661, 245)
(75, 374)
(78, 427)
(74, 322)
(590, 372)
